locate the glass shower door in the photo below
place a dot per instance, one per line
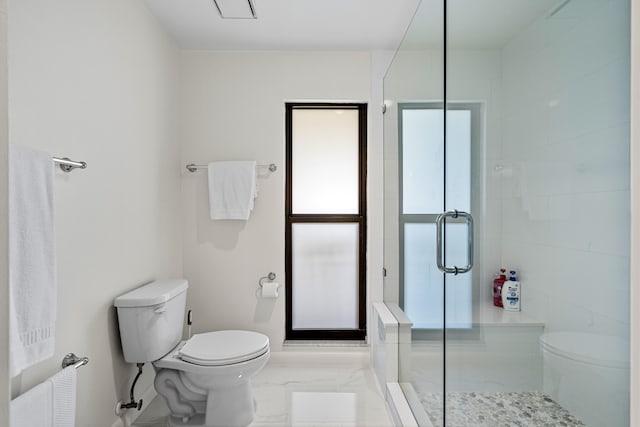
(534, 98)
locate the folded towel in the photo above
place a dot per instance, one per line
(232, 189)
(51, 403)
(64, 397)
(32, 273)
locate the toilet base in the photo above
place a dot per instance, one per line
(231, 406)
(196, 420)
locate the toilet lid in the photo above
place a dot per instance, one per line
(600, 350)
(224, 347)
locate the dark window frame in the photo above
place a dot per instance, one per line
(360, 218)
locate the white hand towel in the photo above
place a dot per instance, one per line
(51, 403)
(32, 273)
(232, 189)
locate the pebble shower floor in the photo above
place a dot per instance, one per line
(510, 409)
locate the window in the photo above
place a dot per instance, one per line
(325, 221)
(435, 178)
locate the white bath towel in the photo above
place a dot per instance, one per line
(64, 397)
(32, 272)
(232, 189)
(51, 403)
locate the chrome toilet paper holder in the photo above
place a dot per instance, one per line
(270, 277)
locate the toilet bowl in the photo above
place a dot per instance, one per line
(588, 374)
(205, 380)
(214, 371)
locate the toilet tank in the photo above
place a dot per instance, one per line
(151, 319)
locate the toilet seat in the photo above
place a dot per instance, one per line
(594, 349)
(221, 348)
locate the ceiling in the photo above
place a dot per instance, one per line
(474, 24)
(288, 24)
(347, 24)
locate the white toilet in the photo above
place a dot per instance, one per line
(206, 379)
(588, 374)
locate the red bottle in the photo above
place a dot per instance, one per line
(497, 287)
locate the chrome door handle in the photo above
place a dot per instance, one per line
(439, 223)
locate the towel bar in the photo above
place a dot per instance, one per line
(67, 165)
(193, 167)
(72, 359)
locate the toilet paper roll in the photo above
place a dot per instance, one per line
(270, 290)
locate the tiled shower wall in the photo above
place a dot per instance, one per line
(565, 171)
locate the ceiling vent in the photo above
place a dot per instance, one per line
(236, 9)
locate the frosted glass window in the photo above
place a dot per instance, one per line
(422, 161)
(424, 285)
(458, 182)
(433, 182)
(325, 158)
(325, 275)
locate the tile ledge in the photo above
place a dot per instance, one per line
(305, 345)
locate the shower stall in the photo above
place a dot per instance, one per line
(506, 145)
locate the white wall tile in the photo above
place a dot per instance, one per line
(566, 143)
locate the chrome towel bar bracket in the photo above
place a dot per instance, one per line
(72, 360)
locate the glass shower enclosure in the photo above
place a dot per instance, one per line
(506, 144)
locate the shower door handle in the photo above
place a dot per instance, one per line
(439, 232)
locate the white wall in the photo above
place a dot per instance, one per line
(95, 81)
(4, 268)
(232, 108)
(566, 142)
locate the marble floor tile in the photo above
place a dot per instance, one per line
(305, 389)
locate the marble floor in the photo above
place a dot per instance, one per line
(307, 388)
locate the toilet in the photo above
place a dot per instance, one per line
(588, 374)
(205, 380)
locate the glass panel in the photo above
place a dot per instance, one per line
(325, 276)
(550, 203)
(422, 161)
(415, 78)
(325, 161)
(548, 174)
